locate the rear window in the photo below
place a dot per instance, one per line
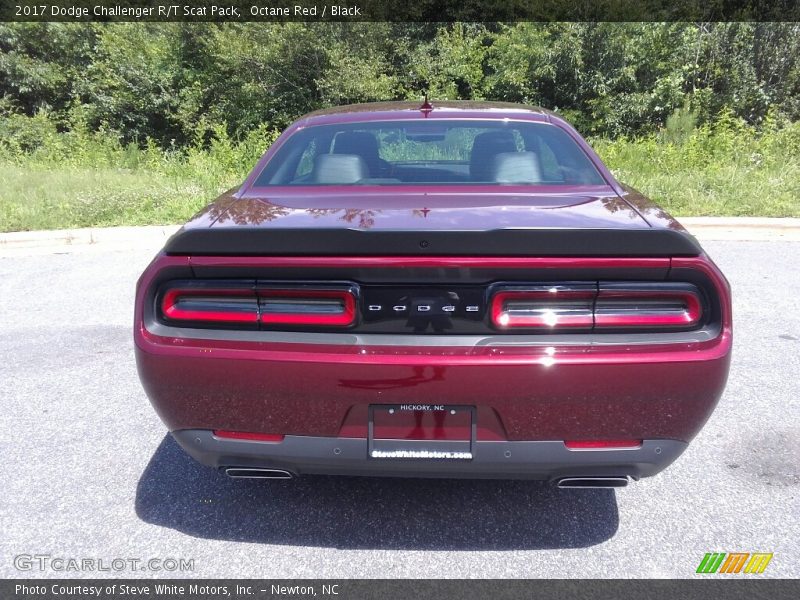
(430, 153)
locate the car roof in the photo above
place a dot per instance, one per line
(404, 109)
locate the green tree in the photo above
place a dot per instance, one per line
(41, 64)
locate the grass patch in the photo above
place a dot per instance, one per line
(39, 197)
(56, 180)
(722, 170)
(77, 179)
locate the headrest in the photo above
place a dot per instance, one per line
(362, 143)
(485, 147)
(339, 168)
(516, 167)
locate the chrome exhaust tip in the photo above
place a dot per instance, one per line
(249, 473)
(592, 482)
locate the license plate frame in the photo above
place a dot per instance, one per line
(459, 449)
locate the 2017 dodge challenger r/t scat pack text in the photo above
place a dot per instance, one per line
(456, 290)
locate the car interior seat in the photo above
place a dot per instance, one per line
(516, 167)
(365, 145)
(485, 147)
(339, 168)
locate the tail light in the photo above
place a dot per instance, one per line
(605, 307)
(601, 307)
(544, 307)
(328, 307)
(192, 301)
(245, 303)
(664, 306)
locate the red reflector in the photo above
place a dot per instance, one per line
(602, 444)
(546, 307)
(307, 307)
(210, 304)
(244, 435)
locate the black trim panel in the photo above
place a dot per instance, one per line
(252, 241)
(492, 460)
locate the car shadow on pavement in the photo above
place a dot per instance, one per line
(370, 513)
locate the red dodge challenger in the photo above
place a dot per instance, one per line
(457, 290)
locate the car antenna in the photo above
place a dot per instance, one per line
(426, 107)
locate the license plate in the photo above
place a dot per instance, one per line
(421, 431)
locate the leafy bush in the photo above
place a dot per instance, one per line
(720, 168)
(165, 80)
(680, 125)
(20, 134)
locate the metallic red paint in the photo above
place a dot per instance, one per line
(554, 392)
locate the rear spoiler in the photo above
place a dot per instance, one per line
(254, 241)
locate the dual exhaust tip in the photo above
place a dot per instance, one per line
(253, 473)
(592, 482)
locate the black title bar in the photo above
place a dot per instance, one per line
(740, 588)
(235, 11)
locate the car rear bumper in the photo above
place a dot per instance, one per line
(518, 395)
(549, 460)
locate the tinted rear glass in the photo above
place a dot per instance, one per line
(430, 153)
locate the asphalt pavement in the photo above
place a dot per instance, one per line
(90, 472)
